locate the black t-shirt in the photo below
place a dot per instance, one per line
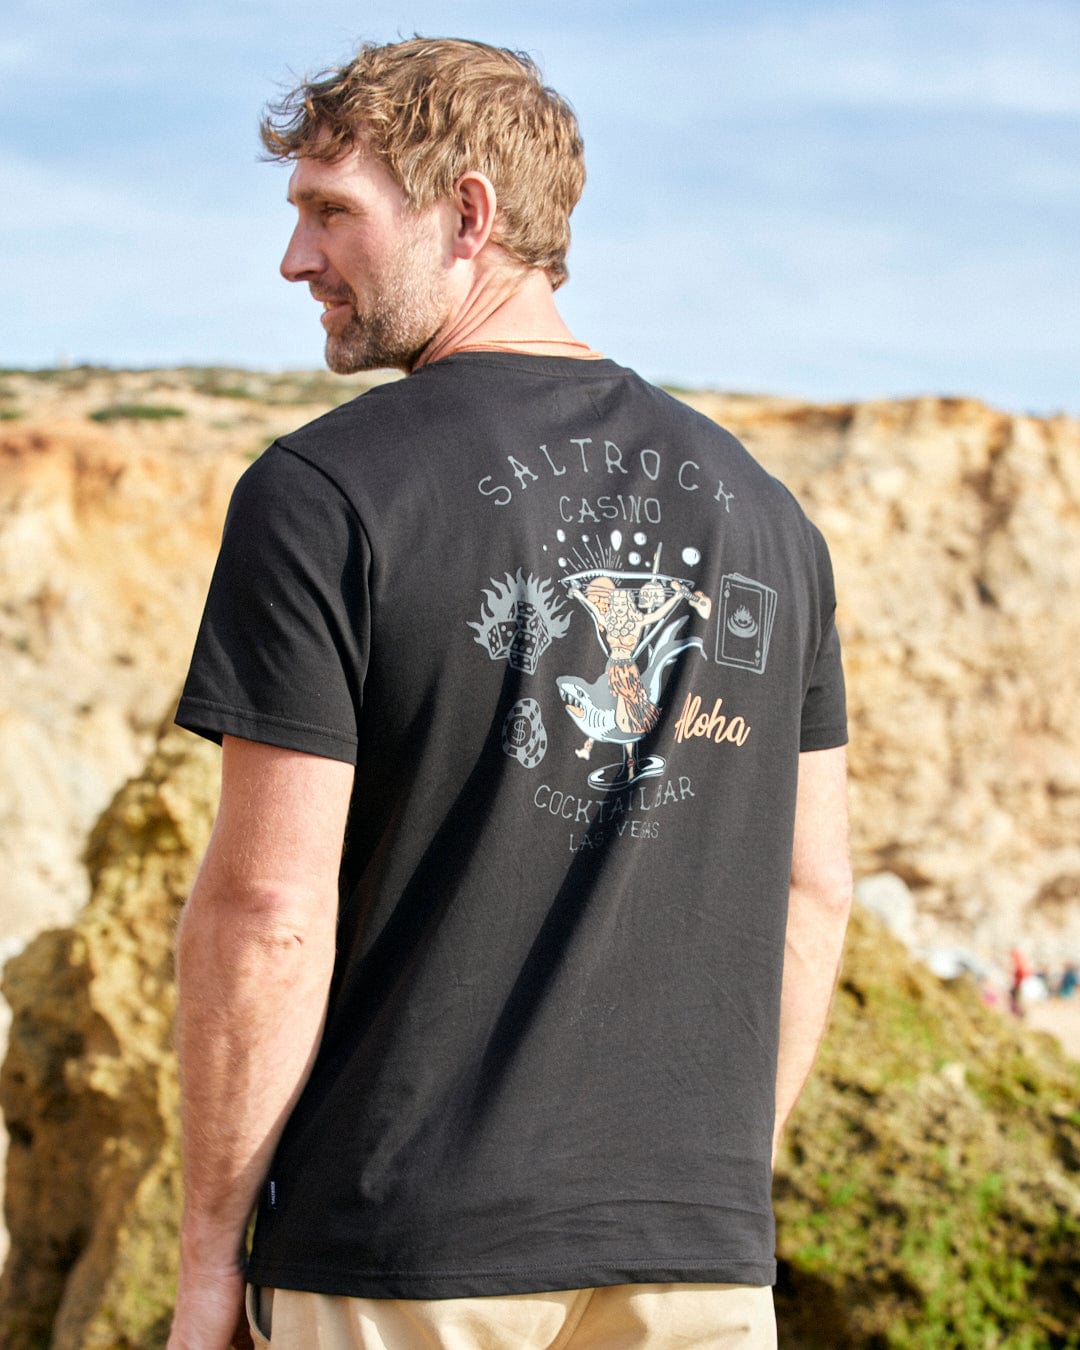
(573, 638)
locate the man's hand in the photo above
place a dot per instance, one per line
(210, 1312)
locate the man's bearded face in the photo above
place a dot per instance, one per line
(378, 267)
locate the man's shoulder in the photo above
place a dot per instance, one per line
(372, 405)
(702, 430)
(502, 397)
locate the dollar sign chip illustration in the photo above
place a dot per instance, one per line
(524, 737)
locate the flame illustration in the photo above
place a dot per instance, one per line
(519, 619)
(742, 623)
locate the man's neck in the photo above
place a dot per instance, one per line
(507, 310)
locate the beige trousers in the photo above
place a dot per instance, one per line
(622, 1317)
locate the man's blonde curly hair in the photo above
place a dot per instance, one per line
(432, 109)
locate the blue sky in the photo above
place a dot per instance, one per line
(827, 199)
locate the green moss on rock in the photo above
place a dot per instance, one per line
(928, 1193)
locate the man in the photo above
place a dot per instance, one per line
(500, 1052)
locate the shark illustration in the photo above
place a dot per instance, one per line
(593, 705)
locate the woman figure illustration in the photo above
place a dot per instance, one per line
(622, 621)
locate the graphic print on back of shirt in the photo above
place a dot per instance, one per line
(519, 620)
(524, 736)
(746, 622)
(632, 614)
(646, 618)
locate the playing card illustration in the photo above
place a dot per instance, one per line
(747, 611)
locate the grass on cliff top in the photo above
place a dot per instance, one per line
(132, 412)
(285, 388)
(929, 1191)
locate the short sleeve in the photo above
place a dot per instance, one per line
(824, 711)
(281, 652)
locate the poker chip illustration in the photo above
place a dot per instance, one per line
(524, 737)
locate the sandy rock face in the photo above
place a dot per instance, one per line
(106, 550)
(955, 535)
(113, 490)
(89, 1088)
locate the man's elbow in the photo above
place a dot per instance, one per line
(828, 894)
(838, 894)
(817, 925)
(258, 913)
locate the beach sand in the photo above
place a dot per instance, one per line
(1060, 1017)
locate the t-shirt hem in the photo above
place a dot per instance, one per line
(215, 720)
(348, 1283)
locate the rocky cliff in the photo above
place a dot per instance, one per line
(88, 1088)
(113, 488)
(955, 532)
(928, 1193)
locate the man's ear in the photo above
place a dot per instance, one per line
(475, 205)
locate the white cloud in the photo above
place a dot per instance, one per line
(840, 194)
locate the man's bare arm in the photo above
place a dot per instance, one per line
(818, 907)
(255, 952)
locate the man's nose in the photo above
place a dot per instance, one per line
(302, 260)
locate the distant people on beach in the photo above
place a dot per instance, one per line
(1020, 971)
(1028, 985)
